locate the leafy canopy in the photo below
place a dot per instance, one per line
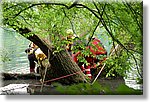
(120, 21)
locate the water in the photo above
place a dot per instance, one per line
(13, 53)
(15, 59)
(131, 80)
(14, 89)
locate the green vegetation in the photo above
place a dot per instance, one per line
(95, 89)
(121, 22)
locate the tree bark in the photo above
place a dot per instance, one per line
(63, 68)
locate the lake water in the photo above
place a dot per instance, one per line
(14, 59)
(13, 53)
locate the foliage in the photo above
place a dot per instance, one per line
(81, 89)
(116, 65)
(125, 90)
(121, 22)
(95, 89)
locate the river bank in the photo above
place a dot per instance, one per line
(31, 84)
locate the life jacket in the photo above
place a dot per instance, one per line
(35, 53)
(39, 54)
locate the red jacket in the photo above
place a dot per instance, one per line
(95, 51)
(99, 48)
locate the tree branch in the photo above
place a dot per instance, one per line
(109, 32)
(36, 40)
(47, 3)
(112, 36)
(135, 17)
(93, 33)
(74, 4)
(51, 3)
(69, 21)
(92, 11)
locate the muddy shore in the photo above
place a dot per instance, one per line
(34, 83)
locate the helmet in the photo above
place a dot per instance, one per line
(69, 32)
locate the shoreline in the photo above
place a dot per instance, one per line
(34, 84)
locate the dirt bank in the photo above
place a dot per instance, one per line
(34, 87)
(34, 84)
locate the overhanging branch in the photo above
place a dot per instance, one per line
(48, 3)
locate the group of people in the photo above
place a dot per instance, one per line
(96, 48)
(92, 59)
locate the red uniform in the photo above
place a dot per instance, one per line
(97, 50)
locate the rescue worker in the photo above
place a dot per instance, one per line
(31, 56)
(93, 59)
(97, 50)
(70, 37)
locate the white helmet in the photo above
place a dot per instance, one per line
(69, 32)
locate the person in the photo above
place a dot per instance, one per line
(96, 49)
(70, 38)
(31, 56)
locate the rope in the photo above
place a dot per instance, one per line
(104, 64)
(99, 71)
(43, 79)
(98, 74)
(66, 75)
(45, 70)
(61, 77)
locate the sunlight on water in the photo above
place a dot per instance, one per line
(131, 80)
(133, 84)
(13, 53)
(133, 74)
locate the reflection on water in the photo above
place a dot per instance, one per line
(133, 84)
(131, 80)
(13, 49)
(13, 53)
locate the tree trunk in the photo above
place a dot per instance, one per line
(63, 68)
(63, 65)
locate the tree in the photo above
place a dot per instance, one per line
(119, 21)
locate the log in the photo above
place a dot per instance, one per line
(61, 62)
(16, 76)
